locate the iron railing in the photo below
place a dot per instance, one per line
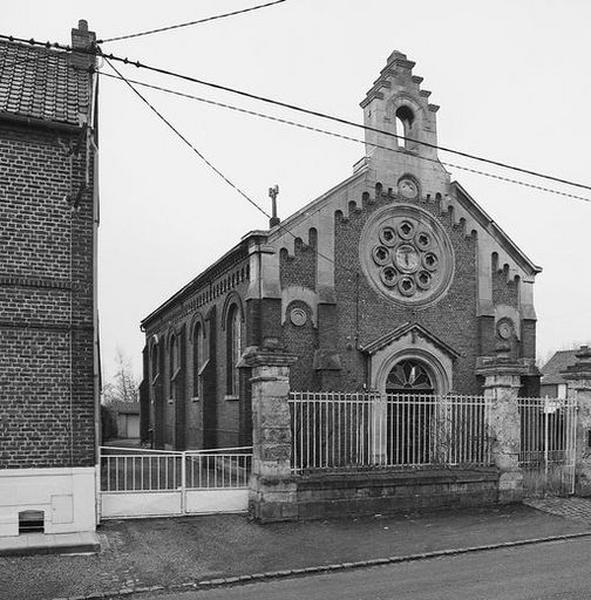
(548, 444)
(332, 430)
(139, 470)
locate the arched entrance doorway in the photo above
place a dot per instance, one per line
(410, 386)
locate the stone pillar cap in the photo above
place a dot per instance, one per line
(505, 365)
(270, 354)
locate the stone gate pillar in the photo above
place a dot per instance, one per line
(502, 380)
(578, 378)
(273, 488)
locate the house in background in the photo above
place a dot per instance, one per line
(48, 309)
(394, 280)
(126, 416)
(553, 384)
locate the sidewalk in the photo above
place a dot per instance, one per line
(171, 552)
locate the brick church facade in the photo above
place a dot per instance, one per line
(48, 324)
(394, 280)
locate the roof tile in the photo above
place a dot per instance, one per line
(559, 362)
(39, 83)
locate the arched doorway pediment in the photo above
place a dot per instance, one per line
(411, 342)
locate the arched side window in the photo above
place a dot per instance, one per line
(173, 366)
(154, 363)
(404, 120)
(234, 349)
(197, 359)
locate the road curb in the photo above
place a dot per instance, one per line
(205, 584)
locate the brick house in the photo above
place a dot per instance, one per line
(394, 280)
(48, 327)
(553, 384)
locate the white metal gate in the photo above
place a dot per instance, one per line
(548, 445)
(156, 483)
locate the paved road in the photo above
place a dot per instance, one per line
(551, 571)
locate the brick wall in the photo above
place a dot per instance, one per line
(362, 315)
(213, 419)
(47, 413)
(504, 292)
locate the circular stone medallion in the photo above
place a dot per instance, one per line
(407, 188)
(298, 316)
(505, 328)
(407, 258)
(406, 255)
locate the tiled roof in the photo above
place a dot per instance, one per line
(40, 83)
(559, 362)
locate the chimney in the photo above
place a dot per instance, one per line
(84, 40)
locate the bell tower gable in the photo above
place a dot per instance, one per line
(398, 105)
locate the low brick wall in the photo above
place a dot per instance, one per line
(326, 495)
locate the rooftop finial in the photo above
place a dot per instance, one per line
(273, 193)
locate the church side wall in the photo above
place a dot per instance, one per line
(210, 418)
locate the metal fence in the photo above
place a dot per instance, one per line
(140, 470)
(333, 430)
(211, 469)
(548, 442)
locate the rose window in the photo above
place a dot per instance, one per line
(406, 254)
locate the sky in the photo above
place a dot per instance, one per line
(511, 76)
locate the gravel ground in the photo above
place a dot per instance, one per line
(169, 552)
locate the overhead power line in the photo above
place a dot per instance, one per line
(188, 23)
(303, 110)
(212, 167)
(186, 141)
(347, 122)
(338, 135)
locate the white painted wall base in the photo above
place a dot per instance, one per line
(67, 497)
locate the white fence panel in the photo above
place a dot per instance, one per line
(216, 501)
(123, 505)
(150, 483)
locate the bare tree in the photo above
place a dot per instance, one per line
(123, 387)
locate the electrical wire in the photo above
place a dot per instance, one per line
(347, 122)
(138, 64)
(211, 166)
(341, 136)
(186, 141)
(188, 23)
